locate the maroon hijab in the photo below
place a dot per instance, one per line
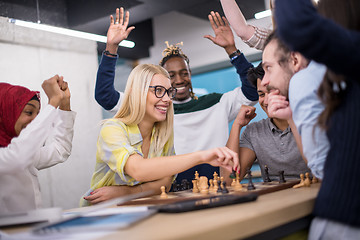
(12, 101)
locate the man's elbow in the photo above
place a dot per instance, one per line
(103, 103)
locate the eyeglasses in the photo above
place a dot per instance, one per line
(160, 91)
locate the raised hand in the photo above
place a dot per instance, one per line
(53, 91)
(222, 157)
(245, 115)
(278, 106)
(224, 37)
(65, 102)
(118, 30)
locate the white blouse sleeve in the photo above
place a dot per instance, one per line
(58, 145)
(19, 154)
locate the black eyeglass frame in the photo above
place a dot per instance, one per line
(166, 91)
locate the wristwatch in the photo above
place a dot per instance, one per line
(110, 54)
(235, 53)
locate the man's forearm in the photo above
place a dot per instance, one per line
(242, 67)
(105, 93)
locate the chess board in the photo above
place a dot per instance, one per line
(173, 197)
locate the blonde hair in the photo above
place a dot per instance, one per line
(133, 106)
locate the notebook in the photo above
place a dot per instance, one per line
(99, 217)
(33, 216)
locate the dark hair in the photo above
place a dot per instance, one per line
(282, 49)
(35, 97)
(347, 14)
(255, 73)
(172, 51)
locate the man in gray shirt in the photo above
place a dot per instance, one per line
(269, 140)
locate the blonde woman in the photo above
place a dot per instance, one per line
(135, 149)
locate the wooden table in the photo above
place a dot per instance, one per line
(231, 222)
(238, 221)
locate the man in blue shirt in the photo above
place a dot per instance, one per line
(291, 78)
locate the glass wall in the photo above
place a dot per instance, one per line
(221, 81)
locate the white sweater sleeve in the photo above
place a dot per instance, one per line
(19, 153)
(58, 145)
(233, 101)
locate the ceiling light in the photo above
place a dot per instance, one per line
(263, 14)
(68, 32)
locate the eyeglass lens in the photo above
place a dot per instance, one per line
(160, 91)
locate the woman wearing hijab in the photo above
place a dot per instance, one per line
(30, 141)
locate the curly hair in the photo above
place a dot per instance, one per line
(173, 51)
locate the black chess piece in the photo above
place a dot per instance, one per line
(219, 186)
(233, 174)
(173, 185)
(224, 189)
(185, 184)
(267, 178)
(250, 184)
(281, 177)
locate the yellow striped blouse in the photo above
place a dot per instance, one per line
(117, 141)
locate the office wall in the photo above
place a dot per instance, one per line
(27, 58)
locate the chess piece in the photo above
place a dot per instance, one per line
(224, 189)
(281, 177)
(216, 186)
(250, 184)
(163, 194)
(185, 184)
(301, 184)
(211, 183)
(233, 174)
(178, 187)
(195, 186)
(267, 178)
(196, 175)
(215, 176)
(238, 186)
(174, 186)
(188, 185)
(203, 184)
(307, 181)
(314, 180)
(219, 190)
(233, 183)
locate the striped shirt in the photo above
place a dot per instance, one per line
(258, 39)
